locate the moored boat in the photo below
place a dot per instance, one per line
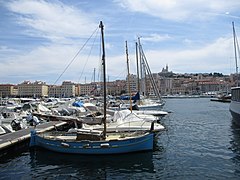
(235, 105)
(87, 141)
(94, 143)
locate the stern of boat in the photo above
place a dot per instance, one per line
(33, 138)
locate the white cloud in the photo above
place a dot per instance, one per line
(52, 19)
(48, 63)
(6, 49)
(181, 10)
(66, 27)
(155, 38)
(214, 57)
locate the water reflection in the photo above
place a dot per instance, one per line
(46, 163)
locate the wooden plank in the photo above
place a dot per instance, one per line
(24, 134)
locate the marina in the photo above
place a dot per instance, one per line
(78, 103)
(201, 141)
(95, 142)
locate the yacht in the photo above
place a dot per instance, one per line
(235, 91)
(235, 105)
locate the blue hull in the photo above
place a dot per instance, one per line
(142, 143)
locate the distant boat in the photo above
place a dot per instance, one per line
(222, 98)
(87, 141)
(235, 91)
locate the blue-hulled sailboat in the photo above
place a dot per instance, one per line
(86, 141)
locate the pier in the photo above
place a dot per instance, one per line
(17, 138)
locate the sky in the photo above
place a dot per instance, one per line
(59, 40)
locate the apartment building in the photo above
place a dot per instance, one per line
(90, 89)
(54, 91)
(117, 87)
(166, 82)
(67, 89)
(35, 89)
(8, 90)
(132, 80)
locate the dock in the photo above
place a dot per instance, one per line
(15, 138)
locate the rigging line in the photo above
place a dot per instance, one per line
(122, 74)
(75, 56)
(151, 76)
(88, 56)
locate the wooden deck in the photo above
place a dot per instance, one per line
(14, 138)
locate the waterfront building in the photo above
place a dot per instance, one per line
(89, 89)
(209, 86)
(166, 84)
(117, 87)
(8, 90)
(54, 91)
(132, 80)
(166, 81)
(35, 89)
(66, 90)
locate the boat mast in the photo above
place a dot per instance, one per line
(142, 70)
(235, 50)
(128, 75)
(104, 82)
(138, 78)
(152, 80)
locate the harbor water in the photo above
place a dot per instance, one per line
(201, 142)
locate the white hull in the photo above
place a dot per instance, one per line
(235, 111)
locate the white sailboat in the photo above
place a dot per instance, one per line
(144, 102)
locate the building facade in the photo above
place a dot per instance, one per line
(8, 90)
(66, 90)
(36, 89)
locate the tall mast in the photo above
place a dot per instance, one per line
(235, 48)
(128, 75)
(104, 82)
(138, 78)
(142, 69)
